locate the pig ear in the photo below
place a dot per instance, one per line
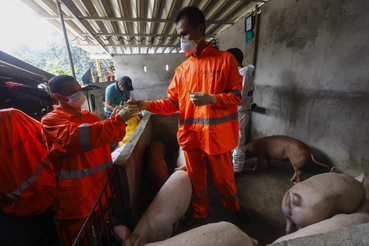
(122, 232)
(333, 170)
(360, 178)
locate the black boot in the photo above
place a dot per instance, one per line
(242, 215)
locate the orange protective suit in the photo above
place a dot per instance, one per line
(211, 129)
(79, 150)
(27, 180)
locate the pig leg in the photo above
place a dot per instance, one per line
(297, 175)
(268, 161)
(260, 161)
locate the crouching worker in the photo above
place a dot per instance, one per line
(27, 183)
(78, 144)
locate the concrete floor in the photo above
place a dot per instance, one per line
(260, 193)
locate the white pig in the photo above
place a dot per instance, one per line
(336, 222)
(214, 234)
(320, 197)
(157, 222)
(181, 161)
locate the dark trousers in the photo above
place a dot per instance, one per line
(32, 230)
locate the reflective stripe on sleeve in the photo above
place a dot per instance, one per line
(174, 102)
(84, 137)
(29, 181)
(236, 92)
(75, 174)
(209, 121)
(201, 194)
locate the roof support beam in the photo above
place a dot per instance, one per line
(131, 45)
(144, 20)
(106, 18)
(66, 38)
(140, 35)
(80, 23)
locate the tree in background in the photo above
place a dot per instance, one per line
(54, 58)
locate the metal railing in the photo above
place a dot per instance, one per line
(98, 227)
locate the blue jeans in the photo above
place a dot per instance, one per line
(107, 115)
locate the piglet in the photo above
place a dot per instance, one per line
(336, 222)
(157, 169)
(282, 148)
(214, 234)
(157, 222)
(320, 197)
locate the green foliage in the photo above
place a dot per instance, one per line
(54, 58)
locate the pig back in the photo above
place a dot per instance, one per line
(336, 222)
(280, 147)
(321, 197)
(214, 234)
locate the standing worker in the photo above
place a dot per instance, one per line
(243, 110)
(206, 89)
(78, 144)
(27, 183)
(117, 93)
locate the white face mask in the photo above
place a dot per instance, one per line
(76, 100)
(189, 46)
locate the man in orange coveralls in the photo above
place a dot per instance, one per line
(27, 183)
(78, 144)
(206, 89)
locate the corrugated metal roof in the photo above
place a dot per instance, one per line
(135, 26)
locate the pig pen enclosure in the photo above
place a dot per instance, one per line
(259, 192)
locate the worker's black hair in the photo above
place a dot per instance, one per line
(56, 83)
(236, 52)
(194, 15)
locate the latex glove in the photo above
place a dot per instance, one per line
(202, 99)
(116, 110)
(142, 105)
(128, 112)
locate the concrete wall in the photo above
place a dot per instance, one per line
(153, 84)
(312, 78)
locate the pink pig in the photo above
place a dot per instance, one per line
(336, 222)
(214, 234)
(169, 205)
(320, 197)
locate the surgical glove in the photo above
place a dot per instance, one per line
(202, 99)
(128, 112)
(142, 105)
(116, 110)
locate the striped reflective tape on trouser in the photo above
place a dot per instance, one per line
(229, 197)
(29, 181)
(75, 174)
(201, 194)
(84, 136)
